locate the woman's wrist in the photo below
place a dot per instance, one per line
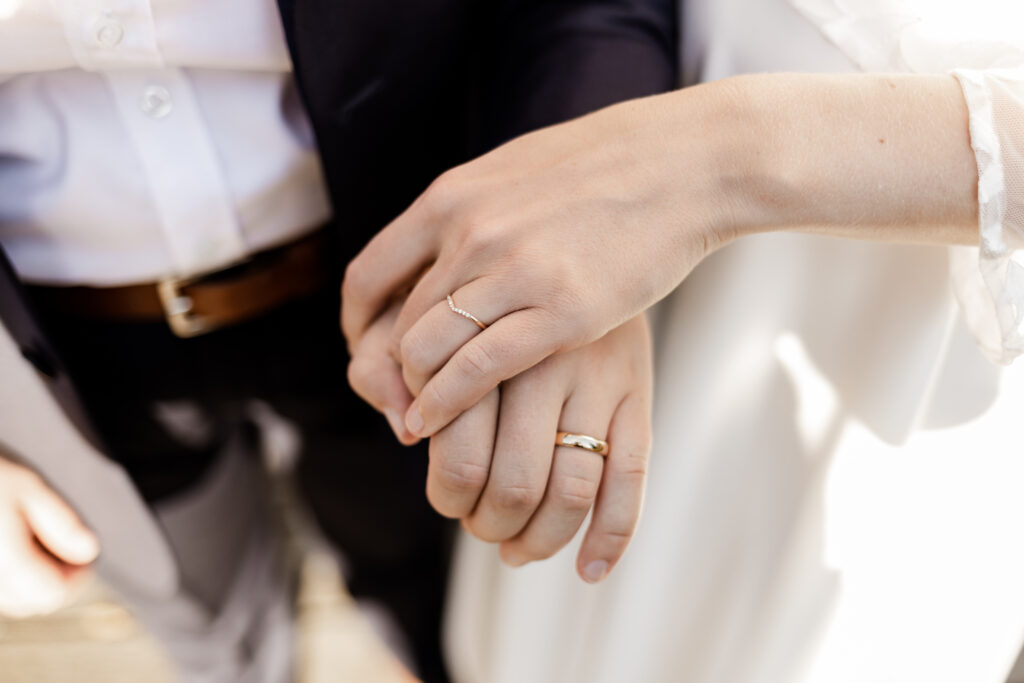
(720, 167)
(867, 156)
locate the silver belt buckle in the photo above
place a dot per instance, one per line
(178, 307)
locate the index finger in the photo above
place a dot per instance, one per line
(392, 259)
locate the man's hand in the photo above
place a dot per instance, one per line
(496, 466)
(44, 547)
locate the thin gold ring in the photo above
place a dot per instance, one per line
(465, 314)
(587, 443)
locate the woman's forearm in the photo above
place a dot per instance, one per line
(878, 157)
(563, 234)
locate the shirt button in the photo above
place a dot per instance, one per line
(109, 33)
(156, 102)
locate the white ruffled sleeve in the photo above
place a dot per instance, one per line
(982, 43)
(989, 279)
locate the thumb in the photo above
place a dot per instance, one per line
(57, 526)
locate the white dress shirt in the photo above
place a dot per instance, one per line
(145, 139)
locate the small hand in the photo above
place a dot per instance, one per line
(552, 240)
(496, 466)
(44, 547)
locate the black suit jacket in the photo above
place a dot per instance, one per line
(399, 91)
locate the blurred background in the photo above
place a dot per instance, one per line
(95, 639)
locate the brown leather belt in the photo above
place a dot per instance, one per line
(197, 305)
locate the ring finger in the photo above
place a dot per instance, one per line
(444, 328)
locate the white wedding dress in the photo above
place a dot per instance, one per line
(837, 485)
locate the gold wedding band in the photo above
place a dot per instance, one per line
(465, 314)
(587, 443)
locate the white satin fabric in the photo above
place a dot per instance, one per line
(835, 488)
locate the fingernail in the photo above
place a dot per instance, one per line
(395, 420)
(595, 571)
(414, 421)
(514, 560)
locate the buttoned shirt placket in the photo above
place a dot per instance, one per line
(118, 40)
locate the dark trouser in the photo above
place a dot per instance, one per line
(165, 405)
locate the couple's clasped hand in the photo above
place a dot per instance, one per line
(542, 241)
(558, 239)
(495, 466)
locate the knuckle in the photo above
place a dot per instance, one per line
(434, 401)
(360, 374)
(476, 235)
(476, 527)
(618, 535)
(445, 504)
(475, 361)
(444, 193)
(533, 551)
(516, 499)
(478, 232)
(632, 463)
(460, 476)
(413, 353)
(354, 280)
(492, 528)
(572, 493)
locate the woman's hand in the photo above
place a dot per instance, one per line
(44, 548)
(563, 234)
(554, 239)
(497, 468)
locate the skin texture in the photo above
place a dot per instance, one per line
(45, 549)
(562, 235)
(496, 466)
